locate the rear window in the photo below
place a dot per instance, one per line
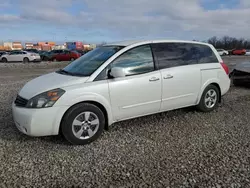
(180, 54)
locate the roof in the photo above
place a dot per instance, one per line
(131, 42)
(125, 43)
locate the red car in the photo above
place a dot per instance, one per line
(239, 52)
(66, 56)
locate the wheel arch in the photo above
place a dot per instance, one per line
(211, 82)
(26, 57)
(98, 104)
(218, 86)
(4, 58)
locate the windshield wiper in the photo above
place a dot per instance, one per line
(62, 71)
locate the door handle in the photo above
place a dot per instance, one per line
(154, 79)
(168, 76)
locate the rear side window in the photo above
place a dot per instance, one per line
(180, 54)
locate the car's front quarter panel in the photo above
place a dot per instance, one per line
(92, 91)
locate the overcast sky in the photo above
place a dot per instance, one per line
(111, 20)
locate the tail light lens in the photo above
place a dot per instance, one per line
(225, 67)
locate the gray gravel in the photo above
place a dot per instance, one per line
(182, 148)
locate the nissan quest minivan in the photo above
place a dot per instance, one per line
(121, 81)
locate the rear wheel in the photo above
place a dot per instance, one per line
(4, 60)
(83, 124)
(26, 60)
(72, 59)
(209, 99)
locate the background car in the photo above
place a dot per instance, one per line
(240, 75)
(80, 52)
(247, 52)
(239, 52)
(222, 52)
(20, 56)
(66, 56)
(49, 55)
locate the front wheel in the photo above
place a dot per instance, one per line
(83, 124)
(209, 99)
(4, 60)
(26, 60)
(72, 59)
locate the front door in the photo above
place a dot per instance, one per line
(180, 74)
(12, 56)
(139, 92)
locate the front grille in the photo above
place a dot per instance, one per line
(20, 101)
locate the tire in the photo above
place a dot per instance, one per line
(72, 59)
(4, 60)
(54, 59)
(26, 60)
(78, 114)
(203, 105)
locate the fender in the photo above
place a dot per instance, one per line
(88, 96)
(203, 87)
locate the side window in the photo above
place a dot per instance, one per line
(138, 60)
(179, 54)
(135, 61)
(13, 53)
(170, 54)
(206, 55)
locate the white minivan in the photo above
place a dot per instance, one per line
(121, 81)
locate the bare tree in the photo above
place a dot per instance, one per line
(229, 43)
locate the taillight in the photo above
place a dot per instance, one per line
(225, 67)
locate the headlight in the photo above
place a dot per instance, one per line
(46, 99)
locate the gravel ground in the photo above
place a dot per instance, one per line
(181, 148)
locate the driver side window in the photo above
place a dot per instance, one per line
(136, 61)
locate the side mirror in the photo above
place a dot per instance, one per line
(117, 72)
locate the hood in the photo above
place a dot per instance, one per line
(48, 82)
(244, 67)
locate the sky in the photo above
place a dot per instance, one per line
(95, 21)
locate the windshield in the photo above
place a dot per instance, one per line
(91, 61)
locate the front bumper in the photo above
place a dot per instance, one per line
(38, 122)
